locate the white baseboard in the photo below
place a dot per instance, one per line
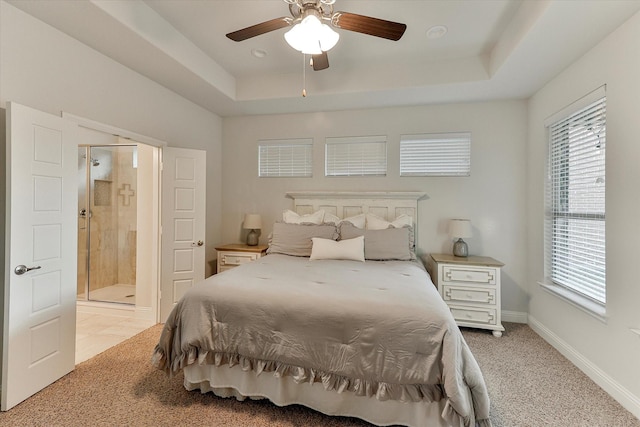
(627, 399)
(514, 316)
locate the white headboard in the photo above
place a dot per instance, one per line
(387, 205)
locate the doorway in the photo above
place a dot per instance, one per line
(107, 223)
(118, 224)
(40, 305)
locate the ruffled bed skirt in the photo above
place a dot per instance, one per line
(225, 381)
(331, 382)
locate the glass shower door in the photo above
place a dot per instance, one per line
(110, 215)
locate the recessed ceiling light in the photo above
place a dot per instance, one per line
(436, 32)
(258, 53)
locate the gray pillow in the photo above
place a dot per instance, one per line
(387, 244)
(295, 239)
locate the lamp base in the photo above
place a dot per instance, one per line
(460, 248)
(252, 238)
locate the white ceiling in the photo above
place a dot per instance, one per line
(494, 49)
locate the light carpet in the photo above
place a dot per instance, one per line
(529, 382)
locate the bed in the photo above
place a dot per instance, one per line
(347, 322)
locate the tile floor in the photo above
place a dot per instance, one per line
(96, 332)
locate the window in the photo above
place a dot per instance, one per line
(575, 219)
(288, 157)
(356, 156)
(443, 154)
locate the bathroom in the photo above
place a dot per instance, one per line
(117, 208)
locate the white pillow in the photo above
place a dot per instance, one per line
(349, 249)
(376, 223)
(357, 220)
(291, 217)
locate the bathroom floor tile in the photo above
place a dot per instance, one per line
(96, 333)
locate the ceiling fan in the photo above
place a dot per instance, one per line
(310, 18)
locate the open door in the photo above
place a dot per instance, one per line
(183, 223)
(41, 238)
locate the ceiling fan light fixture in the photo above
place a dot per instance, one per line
(311, 36)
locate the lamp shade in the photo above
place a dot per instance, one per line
(252, 222)
(460, 228)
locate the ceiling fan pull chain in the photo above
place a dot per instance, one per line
(304, 75)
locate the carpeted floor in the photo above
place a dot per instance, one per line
(529, 382)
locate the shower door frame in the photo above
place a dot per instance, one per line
(87, 216)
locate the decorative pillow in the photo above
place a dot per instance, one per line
(330, 218)
(374, 222)
(387, 244)
(295, 239)
(357, 220)
(349, 249)
(291, 217)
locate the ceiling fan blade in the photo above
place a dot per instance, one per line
(258, 29)
(368, 25)
(320, 61)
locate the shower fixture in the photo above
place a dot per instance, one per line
(94, 162)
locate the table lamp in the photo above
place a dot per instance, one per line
(252, 222)
(460, 228)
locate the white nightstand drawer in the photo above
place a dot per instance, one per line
(469, 274)
(463, 315)
(476, 295)
(234, 259)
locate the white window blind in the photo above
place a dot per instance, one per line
(287, 158)
(443, 154)
(356, 156)
(575, 224)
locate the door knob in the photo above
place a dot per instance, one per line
(200, 243)
(21, 269)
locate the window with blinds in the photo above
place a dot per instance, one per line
(444, 154)
(285, 158)
(576, 201)
(356, 156)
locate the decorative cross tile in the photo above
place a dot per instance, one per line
(127, 193)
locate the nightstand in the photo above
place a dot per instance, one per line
(471, 288)
(233, 255)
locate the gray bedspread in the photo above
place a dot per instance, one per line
(376, 329)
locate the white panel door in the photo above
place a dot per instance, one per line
(183, 223)
(40, 270)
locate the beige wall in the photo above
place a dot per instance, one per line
(493, 197)
(607, 351)
(3, 201)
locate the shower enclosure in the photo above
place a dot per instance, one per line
(107, 210)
